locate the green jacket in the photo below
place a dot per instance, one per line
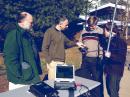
(19, 49)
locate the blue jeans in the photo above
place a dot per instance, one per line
(113, 85)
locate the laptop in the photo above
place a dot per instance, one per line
(64, 77)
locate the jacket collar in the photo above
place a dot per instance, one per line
(21, 30)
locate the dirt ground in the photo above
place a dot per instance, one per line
(124, 86)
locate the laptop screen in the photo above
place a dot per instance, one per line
(64, 73)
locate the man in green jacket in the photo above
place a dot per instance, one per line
(21, 57)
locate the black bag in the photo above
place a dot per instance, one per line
(41, 89)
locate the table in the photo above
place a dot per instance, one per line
(23, 91)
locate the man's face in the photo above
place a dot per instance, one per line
(92, 27)
(27, 22)
(64, 25)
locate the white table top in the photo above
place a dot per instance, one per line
(23, 91)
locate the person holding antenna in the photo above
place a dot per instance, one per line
(114, 58)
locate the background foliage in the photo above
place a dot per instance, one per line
(44, 11)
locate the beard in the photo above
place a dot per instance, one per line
(27, 26)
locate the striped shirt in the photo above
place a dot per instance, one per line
(91, 40)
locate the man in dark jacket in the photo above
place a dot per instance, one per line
(115, 60)
(20, 54)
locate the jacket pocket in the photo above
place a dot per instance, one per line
(27, 71)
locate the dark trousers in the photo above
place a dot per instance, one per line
(113, 85)
(92, 68)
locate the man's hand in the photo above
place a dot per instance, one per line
(107, 54)
(41, 77)
(80, 44)
(47, 66)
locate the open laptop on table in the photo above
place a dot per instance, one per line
(64, 77)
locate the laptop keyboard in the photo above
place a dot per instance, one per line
(64, 85)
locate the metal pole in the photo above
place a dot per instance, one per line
(112, 26)
(127, 15)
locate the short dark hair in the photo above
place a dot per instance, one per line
(20, 16)
(108, 26)
(60, 19)
(92, 20)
